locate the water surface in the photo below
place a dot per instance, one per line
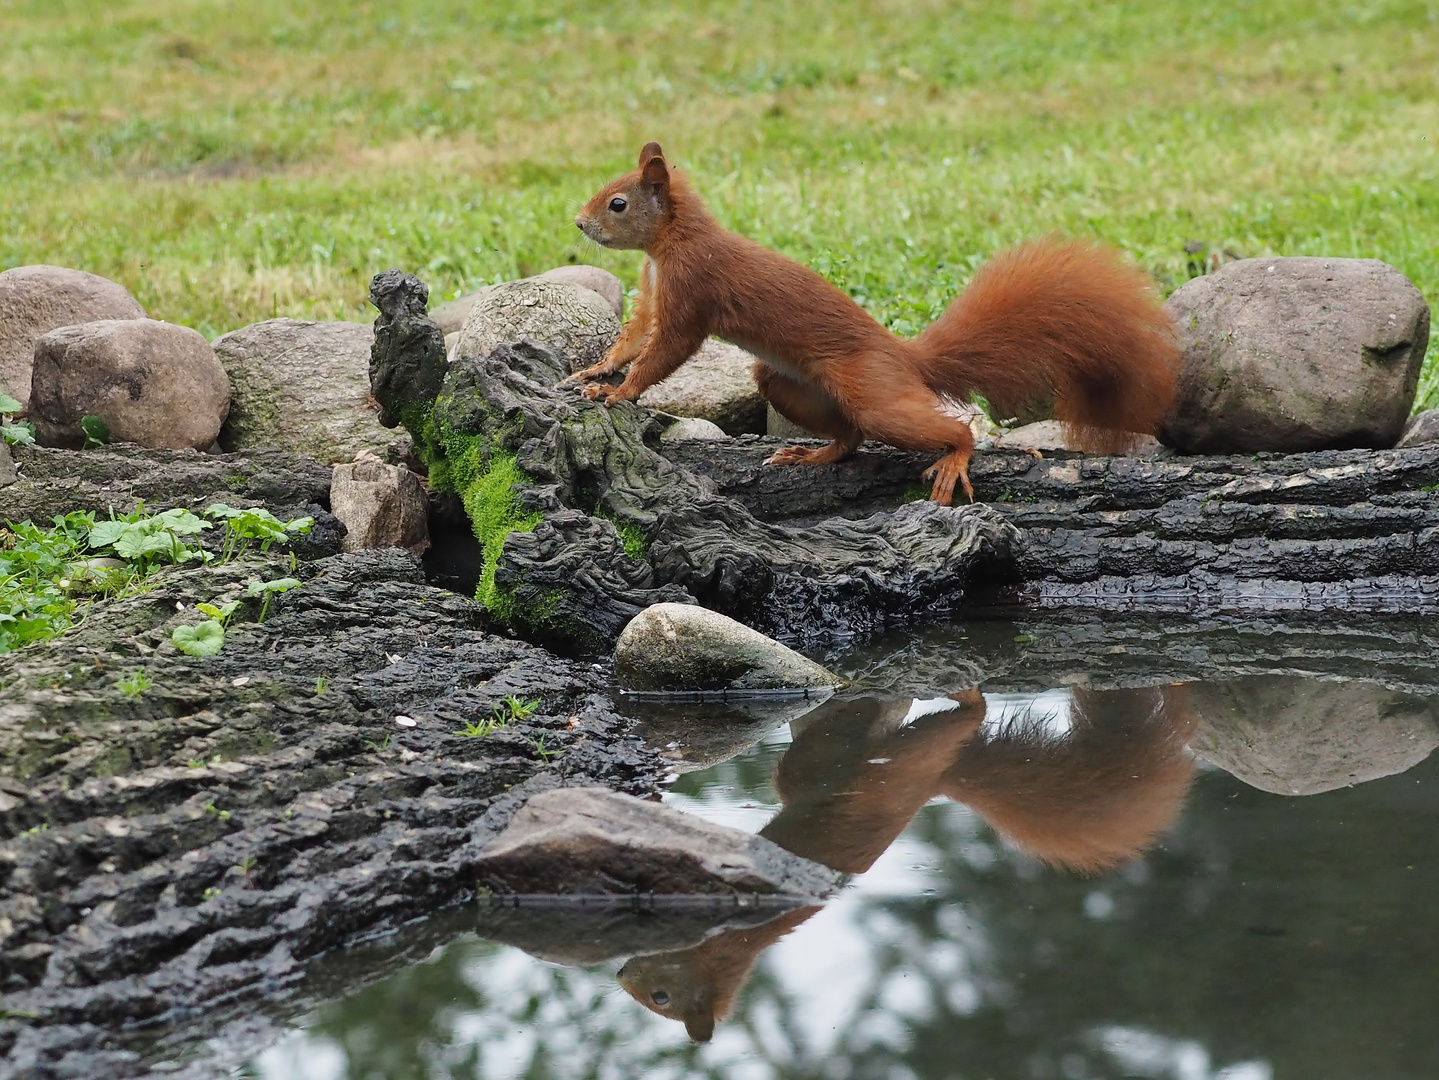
(1132, 851)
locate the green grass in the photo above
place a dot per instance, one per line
(229, 162)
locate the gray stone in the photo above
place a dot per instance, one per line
(686, 428)
(8, 473)
(587, 935)
(597, 842)
(1301, 737)
(452, 314)
(1423, 428)
(717, 385)
(696, 734)
(1049, 435)
(452, 342)
(574, 321)
(37, 299)
(152, 383)
(685, 647)
(593, 278)
(1296, 354)
(779, 426)
(382, 506)
(304, 387)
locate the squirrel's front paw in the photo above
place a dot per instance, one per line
(790, 455)
(605, 394)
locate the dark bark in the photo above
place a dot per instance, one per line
(195, 845)
(1349, 531)
(58, 481)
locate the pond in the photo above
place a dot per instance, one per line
(1086, 849)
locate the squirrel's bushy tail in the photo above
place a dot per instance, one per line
(1062, 320)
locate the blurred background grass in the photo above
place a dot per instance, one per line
(232, 161)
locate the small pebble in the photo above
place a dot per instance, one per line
(406, 721)
(241, 681)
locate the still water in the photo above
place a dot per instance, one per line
(1078, 851)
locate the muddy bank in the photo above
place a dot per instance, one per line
(178, 853)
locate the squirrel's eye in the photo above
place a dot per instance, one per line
(617, 206)
(659, 997)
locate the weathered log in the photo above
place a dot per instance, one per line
(1350, 531)
(200, 840)
(54, 482)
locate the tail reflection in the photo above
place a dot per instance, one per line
(858, 771)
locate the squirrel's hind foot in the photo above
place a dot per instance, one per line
(810, 455)
(949, 470)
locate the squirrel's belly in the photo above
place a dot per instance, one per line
(777, 364)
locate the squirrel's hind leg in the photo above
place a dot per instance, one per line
(805, 404)
(911, 419)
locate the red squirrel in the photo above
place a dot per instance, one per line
(1067, 319)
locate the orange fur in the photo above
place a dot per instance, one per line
(1067, 320)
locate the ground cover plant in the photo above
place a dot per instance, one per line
(50, 573)
(231, 162)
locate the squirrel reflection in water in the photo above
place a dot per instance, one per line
(858, 771)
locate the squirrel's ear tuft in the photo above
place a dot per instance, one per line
(655, 172)
(651, 150)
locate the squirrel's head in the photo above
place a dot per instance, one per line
(628, 212)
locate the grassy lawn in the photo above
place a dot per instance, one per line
(232, 161)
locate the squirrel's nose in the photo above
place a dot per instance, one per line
(579, 224)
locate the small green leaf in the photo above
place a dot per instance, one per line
(223, 612)
(97, 432)
(18, 433)
(279, 585)
(182, 522)
(9, 404)
(206, 639)
(107, 532)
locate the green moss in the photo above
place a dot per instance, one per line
(635, 544)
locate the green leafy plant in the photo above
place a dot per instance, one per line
(96, 431)
(269, 589)
(12, 430)
(379, 747)
(253, 526)
(147, 541)
(135, 684)
(210, 893)
(40, 585)
(200, 639)
(222, 613)
(516, 709)
(545, 754)
(321, 684)
(510, 708)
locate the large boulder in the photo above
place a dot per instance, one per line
(382, 506)
(451, 316)
(152, 383)
(1301, 737)
(588, 842)
(1296, 354)
(684, 647)
(715, 384)
(574, 321)
(304, 387)
(37, 299)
